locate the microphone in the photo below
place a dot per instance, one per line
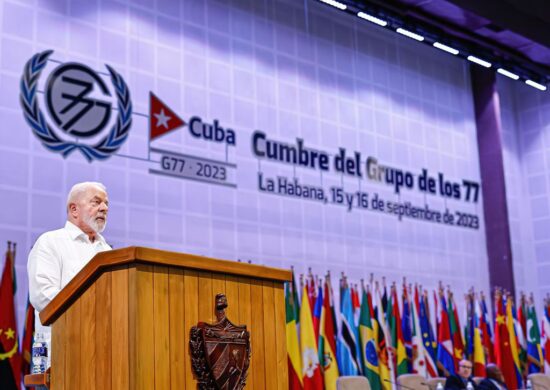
(399, 384)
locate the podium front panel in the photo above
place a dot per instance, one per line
(129, 328)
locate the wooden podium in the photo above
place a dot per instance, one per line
(124, 321)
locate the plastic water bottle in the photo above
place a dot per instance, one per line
(39, 354)
(469, 386)
(529, 385)
(439, 386)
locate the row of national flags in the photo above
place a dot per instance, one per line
(15, 356)
(382, 332)
(371, 330)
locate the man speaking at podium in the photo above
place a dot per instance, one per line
(58, 255)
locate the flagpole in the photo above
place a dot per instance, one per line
(149, 128)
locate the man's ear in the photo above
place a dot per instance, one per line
(73, 210)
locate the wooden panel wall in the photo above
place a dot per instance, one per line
(131, 329)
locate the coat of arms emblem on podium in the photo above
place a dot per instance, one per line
(220, 352)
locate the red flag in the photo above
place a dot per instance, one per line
(26, 342)
(356, 304)
(445, 355)
(10, 359)
(546, 337)
(311, 371)
(355, 300)
(161, 118)
(503, 350)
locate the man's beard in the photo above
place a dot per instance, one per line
(94, 224)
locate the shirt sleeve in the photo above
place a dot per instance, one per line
(44, 269)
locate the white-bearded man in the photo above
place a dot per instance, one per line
(58, 255)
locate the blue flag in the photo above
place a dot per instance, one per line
(428, 340)
(347, 346)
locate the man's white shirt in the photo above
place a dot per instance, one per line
(56, 257)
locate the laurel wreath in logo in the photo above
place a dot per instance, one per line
(35, 118)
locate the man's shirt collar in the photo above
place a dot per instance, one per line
(75, 232)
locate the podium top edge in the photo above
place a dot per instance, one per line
(141, 255)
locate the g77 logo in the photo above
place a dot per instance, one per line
(69, 105)
(72, 109)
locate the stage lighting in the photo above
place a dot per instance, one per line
(507, 73)
(410, 34)
(372, 19)
(535, 85)
(446, 48)
(422, 32)
(479, 61)
(335, 4)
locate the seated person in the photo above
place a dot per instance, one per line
(461, 379)
(494, 379)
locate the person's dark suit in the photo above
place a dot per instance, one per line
(454, 382)
(487, 384)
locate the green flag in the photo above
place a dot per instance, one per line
(534, 349)
(369, 343)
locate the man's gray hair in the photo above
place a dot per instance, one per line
(80, 188)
